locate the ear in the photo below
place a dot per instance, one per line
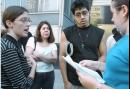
(9, 23)
(125, 10)
(73, 16)
(74, 19)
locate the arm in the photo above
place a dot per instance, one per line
(62, 61)
(90, 83)
(11, 64)
(94, 65)
(49, 58)
(97, 65)
(30, 46)
(29, 53)
(102, 49)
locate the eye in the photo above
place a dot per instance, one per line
(25, 19)
(78, 14)
(84, 13)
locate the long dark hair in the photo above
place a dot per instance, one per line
(51, 38)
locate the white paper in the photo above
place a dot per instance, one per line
(82, 69)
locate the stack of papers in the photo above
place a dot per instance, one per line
(83, 69)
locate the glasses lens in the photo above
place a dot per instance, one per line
(24, 20)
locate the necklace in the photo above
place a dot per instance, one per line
(83, 41)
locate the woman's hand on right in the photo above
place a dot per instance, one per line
(89, 64)
(87, 81)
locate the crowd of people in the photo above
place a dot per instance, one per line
(27, 61)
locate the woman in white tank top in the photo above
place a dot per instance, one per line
(44, 51)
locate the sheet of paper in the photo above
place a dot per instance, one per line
(84, 70)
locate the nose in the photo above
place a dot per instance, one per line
(28, 24)
(82, 16)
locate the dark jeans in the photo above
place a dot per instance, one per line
(44, 80)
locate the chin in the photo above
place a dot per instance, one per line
(25, 35)
(84, 25)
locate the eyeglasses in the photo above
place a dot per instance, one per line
(25, 20)
(84, 13)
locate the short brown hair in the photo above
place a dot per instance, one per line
(51, 38)
(11, 13)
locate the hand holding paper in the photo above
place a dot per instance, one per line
(82, 69)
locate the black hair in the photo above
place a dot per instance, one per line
(79, 4)
(11, 13)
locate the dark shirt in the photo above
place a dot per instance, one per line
(14, 67)
(90, 37)
(24, 40)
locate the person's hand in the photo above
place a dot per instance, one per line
(35, 55)
(87, 81)
(67, 85)
(31, 62)
(89, 64)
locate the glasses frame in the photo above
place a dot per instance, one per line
(84, 13)
(24, 20)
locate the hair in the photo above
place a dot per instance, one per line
(79, 4)
(11, 13)
(51, 38)
(119, 3)
(3, 32)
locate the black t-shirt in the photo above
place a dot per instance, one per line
(86, 43)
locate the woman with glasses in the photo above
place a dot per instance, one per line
(16, 73)
(116, 72)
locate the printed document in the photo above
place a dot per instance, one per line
(83, 69)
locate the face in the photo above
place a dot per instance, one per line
(45, 31)
(118, 18)
(81, 17)
(21, 25)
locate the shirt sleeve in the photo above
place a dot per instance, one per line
(14, 69)
(31, 42)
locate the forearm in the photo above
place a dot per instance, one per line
(103, 86)
(101, 66)
(63, 69)
(102, 58)
(96, 85)
(48, 59)
(32, 72)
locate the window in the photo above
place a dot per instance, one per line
(11, 3)
(35, 6)
(48, 5)
(32, 5)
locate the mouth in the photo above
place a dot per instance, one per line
(46, 34)
(83, 21)
(26, 30)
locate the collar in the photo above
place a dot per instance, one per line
(13, 40)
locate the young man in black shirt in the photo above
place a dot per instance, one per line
(87, 40)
